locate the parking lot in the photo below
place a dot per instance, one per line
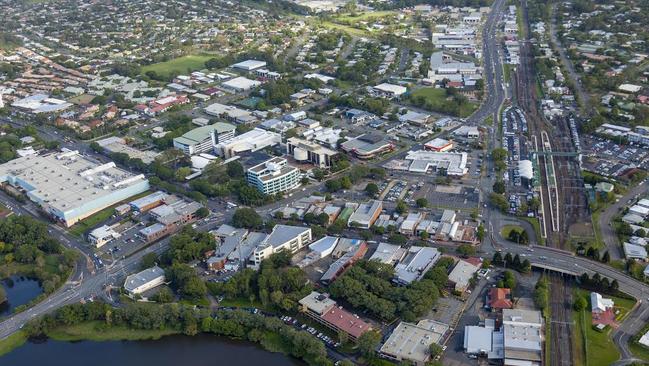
(609, 158)
(453, 197)
(514, 127)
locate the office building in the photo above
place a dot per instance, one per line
(273, 176)
(249, 65)
(283, 237)
(311, 152)
(462, 274)
(366, 214)
(204, 139)
(70, 187)
(452, 164)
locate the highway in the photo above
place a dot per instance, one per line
(493, 69)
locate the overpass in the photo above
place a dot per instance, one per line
(547, 267)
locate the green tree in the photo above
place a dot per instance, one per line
(401, 207)
(148, 260)
(368, 342)
(466, 250)
(499, 187)
(247, 218)
(579, 304)
(434, 350)
(371, 189)
(422, 202)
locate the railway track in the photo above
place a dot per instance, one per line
(559, 200)
(560, 329)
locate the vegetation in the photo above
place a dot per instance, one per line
(512, 262)
(12, 342)
(276, 285)
(448, 101)
(27, 248)
(542, 294)
(97, 320)
(167, 70)
(368, 286)
(599, 349)
(247, 218)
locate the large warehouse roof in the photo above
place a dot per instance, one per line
(525, 168)
(69, 185)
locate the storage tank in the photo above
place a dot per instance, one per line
(300, 154)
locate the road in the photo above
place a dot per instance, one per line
(493, 69)
(606, 218)
(584, 97)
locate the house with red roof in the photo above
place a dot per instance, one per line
(499, 298)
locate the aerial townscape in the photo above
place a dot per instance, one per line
(324, 182)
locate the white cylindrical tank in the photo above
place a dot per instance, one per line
(300, 154)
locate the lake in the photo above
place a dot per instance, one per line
(199, 350)
(20, 290)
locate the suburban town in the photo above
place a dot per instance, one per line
(324, 182)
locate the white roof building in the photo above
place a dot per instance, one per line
(143, 281)
(390, 90)
(412, 341)
(253, 140)
(455, 164)
(249, 65)
(599, 304)
(240, 84)
(461, 274)
(632, 251)
(102, 235)
(69, 186)
(417, 261)
(388, 253)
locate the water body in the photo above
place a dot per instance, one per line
(20, 290)
(200, 350)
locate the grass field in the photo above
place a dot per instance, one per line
(12, 342)
(95, 331)
(537, 229)
(345, 28)
(95, 219)
(637, 349)
(179, 65)
(370, 15)
(504, 232)
(437, 99)
(598, 348)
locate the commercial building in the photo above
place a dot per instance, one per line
(253, 140)
(322, 309)
(365, 215)
(415, 264)
(70, 187)
(249, 65)
(204, 139)
(411, 342)
(462, 274)
(273, 176)
(409, 225)
(389, 90)
(452, 164)
(523, 337)
(116, 144)
(443, 66)
(102, 235)
(307, 151)
(388, 253)
(283, 237)
(140, 282)
(439, 145)
(240, 84)
(367, 146)
(228, 112)
(148, 202)
(41, 103)
(484, 341)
